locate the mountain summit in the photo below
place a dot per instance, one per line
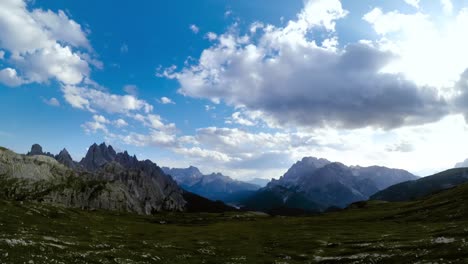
(314, 184)
(97, 156)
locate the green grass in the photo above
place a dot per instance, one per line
(433, 229)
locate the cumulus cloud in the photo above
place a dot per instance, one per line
(194, 28)
(166, 100)
(447, 6)
(285, 74)
(413, 3)
(98, 123)
(120, 123)
(154, 122)
(237, 118)
(414, 37)
(153, 138)
(9, 77)
(92, 100)
(52, 101)
(50, 45)
(100, 119)
(211, 36)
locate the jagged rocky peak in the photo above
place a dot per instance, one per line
(301, 169)
(36, 149)
(65, 158)
(126, 160)
(97, 156)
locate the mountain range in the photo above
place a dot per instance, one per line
(411, 190)
(110, 180)
(316, 185)
(213, 186)
(103, 179)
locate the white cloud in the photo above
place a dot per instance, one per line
(100, 119)
(2, 54)
(94, 127)
(98, 124)
(48, 46)
(321, 13)
(60, 27)
(154, 122)
(52, 101)
(9, 77)
(93, 100)
(154, 138)
(194, 28)
(210, 107)
(211, 36)
(429, 53)
(238, 118)
(447, 6)
(414, 3)
(292, 80)
(120, 123)
(166, 100)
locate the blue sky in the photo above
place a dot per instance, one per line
(242, 87)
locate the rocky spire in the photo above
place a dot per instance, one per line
(126, 160)
(36, 149)
(65, 158)
(98, 156)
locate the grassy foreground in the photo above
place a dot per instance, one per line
(433, 230)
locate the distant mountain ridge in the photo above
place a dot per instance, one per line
(214, 186)
(103, 179)
(258, 181)
(411, 190)
(314, 184)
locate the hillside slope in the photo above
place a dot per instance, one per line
(429, 230)
(410, 190)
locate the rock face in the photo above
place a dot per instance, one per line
(36, 149)
(64, 158)
(214, 186)
(97, 156)
(104, 179)
(184, 177)
(317, 184)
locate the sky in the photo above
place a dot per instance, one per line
(241, 87)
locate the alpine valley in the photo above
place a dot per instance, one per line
(113, 208)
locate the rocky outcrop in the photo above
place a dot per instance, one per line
(186, 177)
(36, 150)
(97, 156)
(64, 158)
(110, 181)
